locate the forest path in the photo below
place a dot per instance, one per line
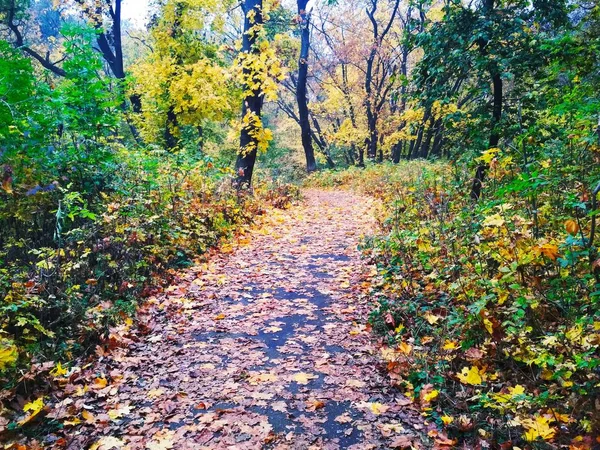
(263, 347)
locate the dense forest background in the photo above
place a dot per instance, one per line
(127, 151)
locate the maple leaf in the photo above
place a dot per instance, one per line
(375, 407)
(108, 443)
(429, 395)
(447, 420)
(8, 353)
(343, 418)
(493, 221)
(549, 250)
(120, 411)
(538, 428)
(449, 345)
(99, 383)
(405, 348)
(431, 318)
(471, 376)
(155, 393)
(262, 378)
(313, 405)
(163, 443)
(59, 371)
(303, 377)
(33, 409)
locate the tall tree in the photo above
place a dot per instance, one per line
(301, 90)
(377, 87)
(495, 73)
(253, 95)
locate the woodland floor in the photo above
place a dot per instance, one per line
(262, 347)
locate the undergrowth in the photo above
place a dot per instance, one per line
(488, 312)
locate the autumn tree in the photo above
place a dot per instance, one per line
(184, 83)
(259, 70)
(379, 71)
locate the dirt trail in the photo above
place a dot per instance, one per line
(264, 347)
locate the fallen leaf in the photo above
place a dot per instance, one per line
(303, 377)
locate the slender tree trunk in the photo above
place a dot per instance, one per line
(301, 91)
(481, 171)
(436, 150)
(171, 140)
(373, 100)
(415, 146)
(396, 152)
(253, 101)
(200, 131)
(496, 76)
(424, 152)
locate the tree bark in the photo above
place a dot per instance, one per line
(496, 77)
(253, 101)
(481, 171)
(372, 102)
(301, 90)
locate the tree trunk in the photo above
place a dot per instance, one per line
(494, 135)
(424, 152)
(496, 76)
(171, 140)
(415, 145)
(436, 150)
(200, 131)
(253, 101)
(301, 91)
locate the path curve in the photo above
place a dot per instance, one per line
(264, 347)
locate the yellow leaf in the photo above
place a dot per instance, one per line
(59, 371)
(405, 348)
(450, 345)
(431, 318)
(220, 317)
(429, 396)
(88, 417)
(493, 221)
(163, 443)
(572, 227)
(489, 155)
(119, 412)
(489, 326)
(8, 353)
(539, 427)
(355, 383)
(100, 383)
(549, 250)
(517, 390)
(471, 376)
(108, 443)
(155, 393)
(33, 408)
(303, 377)
(262, 378)
(72, 422)
(447, 420)
(375, 407)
